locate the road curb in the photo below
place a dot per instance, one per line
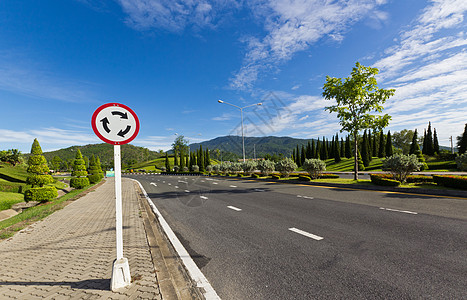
(179, 276)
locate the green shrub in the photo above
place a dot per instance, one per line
(382, 179)
(39, 180)
(254, 176)
(401, 166)
(314, 167)
(79, 182)
(239, 175)
(266, 167)
(286, 166)
(304, 178)
(41, 194)
(459, 182)
(94, 178)
(276, 177)
(249, 166)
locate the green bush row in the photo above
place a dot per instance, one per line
(304, 178)
(459, 182)
(95, 178)
(41, 194)
(384, 180)
(11, 187)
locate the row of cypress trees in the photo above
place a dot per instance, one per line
(372, 145)
(200, 158)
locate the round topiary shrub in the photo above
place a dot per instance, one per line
(41, 194)
(79, 182)
(94, 178)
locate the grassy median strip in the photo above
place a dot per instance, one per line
(10, 226)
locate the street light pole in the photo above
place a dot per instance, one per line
(241, 114)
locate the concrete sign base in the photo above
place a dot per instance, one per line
(120, 274)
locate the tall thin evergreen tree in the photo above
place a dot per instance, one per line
(389, 151)
(424, 147)
(429, 141)
(348, 148)
(414, 144)
(364, 150)
(382, 145)
(435, 142)
(462, 141)
(302, 156)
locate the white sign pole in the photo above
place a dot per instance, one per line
(118, 201)
(121, 269)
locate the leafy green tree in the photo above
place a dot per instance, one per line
(389, 150)
(462, 141)
(56, 163)
(403, 140)
(357, 97)
(266, 167)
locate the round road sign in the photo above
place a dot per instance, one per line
(115, 123)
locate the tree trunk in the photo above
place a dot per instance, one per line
(355, 174)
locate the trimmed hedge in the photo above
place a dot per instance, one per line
(384, 180)
(328, 176)
(419, 179)
(94, 178)
(79, 182)
(304, 178)
(12, 187)
(458, 182)
(255, 176)
(42, 194)
(276, 177)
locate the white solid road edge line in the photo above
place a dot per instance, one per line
(193, 270)
(402, 211)
(307, 234)
(234, 208)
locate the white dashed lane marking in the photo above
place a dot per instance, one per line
(234, 208)
(307, 234)
(401, 211)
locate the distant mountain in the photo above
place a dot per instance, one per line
(260, 145)
(130, 154)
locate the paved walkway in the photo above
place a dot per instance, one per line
(69, 254)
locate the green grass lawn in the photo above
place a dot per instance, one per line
(14, 174)
(8, 199)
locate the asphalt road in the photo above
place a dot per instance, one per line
(260, 240)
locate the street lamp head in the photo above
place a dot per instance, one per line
(220, 101)
(259, 104)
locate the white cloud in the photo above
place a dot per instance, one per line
(293, 26)
(174, 15)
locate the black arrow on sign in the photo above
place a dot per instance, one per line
(122, 133)
(122, 115)
(105, 122)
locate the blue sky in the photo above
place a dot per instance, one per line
(171, 60)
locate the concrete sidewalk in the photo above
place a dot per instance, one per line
(69, 254)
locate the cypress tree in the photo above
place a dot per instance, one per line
(435, 142)
(361, 166)
(331, 152)
(167, 163)
(313, 149)
(337, 154)
(364, 151)
(309, 153)
(429, 142)
(293, 156)
(182, 160)
(95, 172)
(462, 141)
(342, 147)
(389, 151)
(207, 157)
(414, 143)
(375, 145)
(302, 156)
(324, 149)
(175, 158)
(348, 148)
(370, 145)
(420, 156)
(382, 145)
(201, 159)
(298, 161)
(187, 163)
(318, 149)
(424, 143)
